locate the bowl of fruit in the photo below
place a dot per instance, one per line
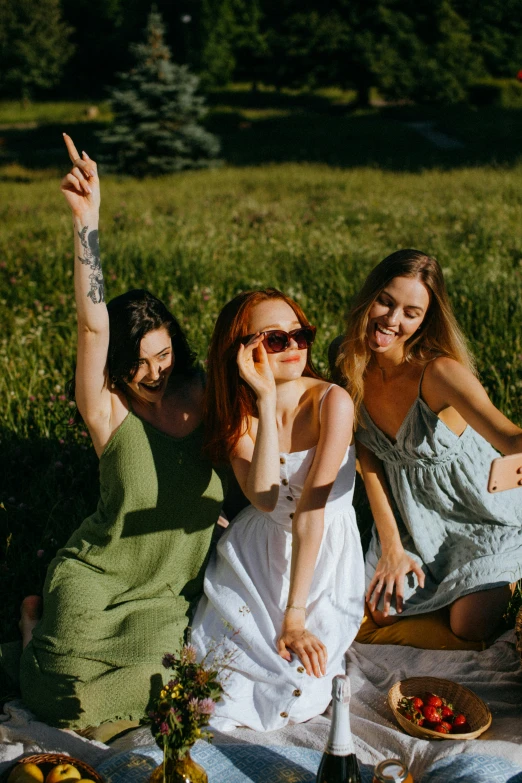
(51, 768)
(433, 708)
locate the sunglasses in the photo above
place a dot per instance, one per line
(277, 340)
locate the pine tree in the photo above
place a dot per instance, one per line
(157, 111)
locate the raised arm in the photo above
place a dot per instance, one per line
(394, 562)
(308, 527)
(256, 464)
(81, 188)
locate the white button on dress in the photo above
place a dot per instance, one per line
(246, 592)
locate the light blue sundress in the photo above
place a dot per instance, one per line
(465, 538)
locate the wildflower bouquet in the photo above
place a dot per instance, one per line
(186, 703)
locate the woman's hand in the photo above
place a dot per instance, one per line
(309, 649)
(257, 373)
(81, 187)
(389, 576)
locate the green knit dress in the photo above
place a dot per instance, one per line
(121, 592)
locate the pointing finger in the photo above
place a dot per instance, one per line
(71, 149)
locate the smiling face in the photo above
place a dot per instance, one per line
(396, 314)
(155, 366)
(277, 314)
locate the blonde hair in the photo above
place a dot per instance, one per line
(438, 335)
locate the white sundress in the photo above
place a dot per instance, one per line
(246, 592)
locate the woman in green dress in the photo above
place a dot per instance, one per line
(120, 594)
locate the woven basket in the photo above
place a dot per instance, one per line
(463, 700)
(46, 761)
(518, 631)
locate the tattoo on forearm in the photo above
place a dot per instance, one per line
(91, 258)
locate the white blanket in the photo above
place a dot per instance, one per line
(494, 674)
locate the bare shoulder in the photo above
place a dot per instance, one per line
(444, 369)
(333, 394)
(337, 400)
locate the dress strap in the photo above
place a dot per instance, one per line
(422, 375)
(323, 399)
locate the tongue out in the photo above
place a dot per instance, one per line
(383, 340)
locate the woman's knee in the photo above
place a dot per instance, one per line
(477, 616)
(468, 629)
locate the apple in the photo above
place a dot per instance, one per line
(26, 773)
(63, 772)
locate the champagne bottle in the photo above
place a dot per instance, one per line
(339, 762)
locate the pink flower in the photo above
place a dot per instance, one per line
(188, 654)
(207, 706)
(164, 728)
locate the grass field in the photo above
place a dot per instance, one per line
(308, 200)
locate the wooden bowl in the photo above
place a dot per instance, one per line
(46, 761)
(463, 700)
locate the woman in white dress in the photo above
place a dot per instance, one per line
(284, 591)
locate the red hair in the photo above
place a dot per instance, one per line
(229, 400)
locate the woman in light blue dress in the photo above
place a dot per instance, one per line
(427, 433)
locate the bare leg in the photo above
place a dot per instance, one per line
(476, 616)
(30, 613)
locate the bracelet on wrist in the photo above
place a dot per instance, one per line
(291, 606)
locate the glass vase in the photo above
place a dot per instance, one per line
(184, 770)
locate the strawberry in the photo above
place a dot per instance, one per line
(431, 713)
(446, 725)
(442, 728)
(446, 712)
(433, 700)
(417, 703)
(459, 719)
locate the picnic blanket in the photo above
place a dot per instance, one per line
(494, 674)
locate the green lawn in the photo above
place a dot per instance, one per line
(308, 201)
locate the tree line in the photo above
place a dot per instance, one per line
(421, 50)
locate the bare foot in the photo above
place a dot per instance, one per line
(30, 613)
